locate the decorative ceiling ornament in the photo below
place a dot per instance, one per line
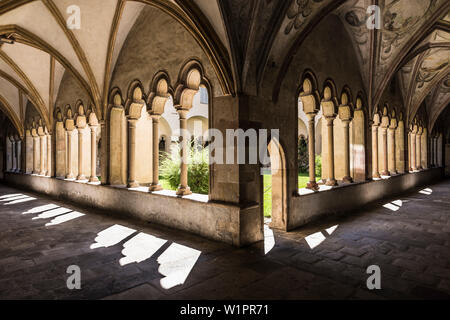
(400, 19)
(297, 12)
(431, 66)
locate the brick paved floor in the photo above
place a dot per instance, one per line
(407, 237)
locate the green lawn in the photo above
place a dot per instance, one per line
(303, 179)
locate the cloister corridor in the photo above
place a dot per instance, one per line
(406, 236)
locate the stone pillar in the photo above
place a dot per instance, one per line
(424, 141)
(93, 177)
(331, 181)
(419, 149)
(432, 151)
(312, 184)
(104, 161)
(385, 171)
(155, 184)
(49, 155)
(13, 154)
(19, 155)
(375, 172)
(35, 151)
(132, 182)
(436, 160)
(347, 178)
(81, 175)
(413, 149)
(70, 126)
(184, 189)
(42, 151)
(409, 151)
(392, 166)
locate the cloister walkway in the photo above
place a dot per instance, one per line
(407, 237)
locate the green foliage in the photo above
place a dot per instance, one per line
(198, 174)
(318, 166)
(303, 162)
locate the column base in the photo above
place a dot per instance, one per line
(155, 187)
(184, 191)
(376, 176)
(81, 177)
(347, 179)
(93, 179)
(133, 184)
(385, 173)
(393, 172)
(331, 183)
(70, 177)
(42, 173)
(312, 185)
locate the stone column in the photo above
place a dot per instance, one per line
(436, 161)
(385, 171)
(132, 182)
(184, 189)
(93, 177)
(81, 175)
(35, 151)
(49, 155)
(331, 181)
(409, 151)
(155, 184)
(13, 154)
(312, 184)
(18, 154)
(42, 152)
(392, 166)
(104, 161)
(419, 149)
(375, 172)
(69, 154)
(413, 149)
(347, 178)
(432, 151)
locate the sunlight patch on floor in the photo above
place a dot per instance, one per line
(40, 209)
(52, 213)
(176, 264)
(111, 236)
(64, 218)
(140, 248)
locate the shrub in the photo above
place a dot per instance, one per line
(198, 175)
(318, 166)
(303, 161)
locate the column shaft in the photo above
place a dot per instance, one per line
(132, 183)
(375, 172)
(49, 155)
(385, 152)
(155, 184)
(93, 177)
(391, 152)
(331, 181)
(81, 175)
(184, 189)
(413, 152)
(13, 156)
(419, 152)
(19, 155)
(312, 184)
(347, 178)
(69, 156)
